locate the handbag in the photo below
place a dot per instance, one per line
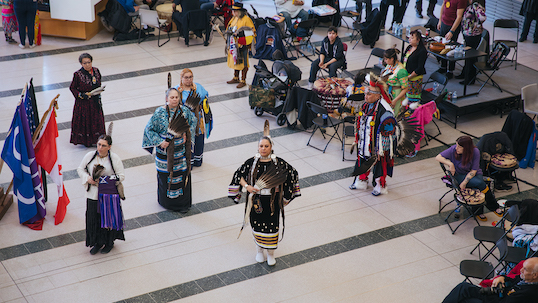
(261, 97)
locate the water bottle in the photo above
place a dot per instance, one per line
(435, 87)
(324, 117)
(454, 97)
(394, 27)
(408, 31)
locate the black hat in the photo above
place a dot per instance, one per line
(237, 6)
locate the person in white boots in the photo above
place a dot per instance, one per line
(271, 183)
(375, 138)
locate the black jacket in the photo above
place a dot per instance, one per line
(338, 48)
(417, 60)
(518, 127)
(116, 16)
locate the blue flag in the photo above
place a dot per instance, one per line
(18, 153)
(31, 110)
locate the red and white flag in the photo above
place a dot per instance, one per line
(47, 156)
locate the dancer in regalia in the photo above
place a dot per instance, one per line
(169, 131)
(375, 138)
(271, 183)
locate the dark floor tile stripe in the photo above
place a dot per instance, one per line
(302, 257)
(373, 237)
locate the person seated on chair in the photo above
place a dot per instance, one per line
(291, 9)
(331, 56)
(131, 7)
(463, 161)
(151, 4)
(186, 6)
(523, 288)
(349, 107)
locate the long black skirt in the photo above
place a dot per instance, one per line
(264, 223)
(95, 235)
(181, 192)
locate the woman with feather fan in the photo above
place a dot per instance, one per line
(169, 131)
(194, 96)
(100, 172)
(271, 183)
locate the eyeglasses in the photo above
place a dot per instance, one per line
(188, 77)
(367, 91)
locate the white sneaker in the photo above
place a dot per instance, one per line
(32, 46)
(310, 85)
(271, 261)
(21, 46)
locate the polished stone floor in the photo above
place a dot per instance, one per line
(340, 244)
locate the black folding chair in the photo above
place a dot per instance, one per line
(480, 269)
(492, 234)
(379, 53)
(309, 26)
(435, 77)
(323, 121)
(510, 24)
(496, 57)
(468, 200)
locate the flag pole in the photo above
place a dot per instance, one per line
(54, 103)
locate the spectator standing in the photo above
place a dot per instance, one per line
(473, 18)
(429, 10)
(449, 26)
(25, 11)
(529, 9)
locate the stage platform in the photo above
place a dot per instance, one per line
(490, 98)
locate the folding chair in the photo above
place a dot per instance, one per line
(510, 24)
(481, 269)
(448, 182)
(348, 131)
(529, 95)
(354, 15)
(196, 21)
(151, 18)
(498, 157)
(308, 26)
(497, 55)
(512, 254)
(323, 121)
(492, 234)
(435, 77)
(379, 53)
(466, 199)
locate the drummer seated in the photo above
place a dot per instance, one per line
(131, 7)
(331, 56)
(186, 6)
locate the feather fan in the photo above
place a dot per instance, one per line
(97, 172)
(193, 100)
(272, 177)
(408, 134)
(169, 80)
(177, 127)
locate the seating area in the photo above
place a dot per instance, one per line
(338, 243)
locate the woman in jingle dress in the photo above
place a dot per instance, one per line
(88, 122)
(98, 235)
(396, 77)
(173, 193)
(267, 203)
(185, 88)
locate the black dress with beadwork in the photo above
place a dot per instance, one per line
(267, 206)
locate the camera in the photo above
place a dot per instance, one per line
(498, 290)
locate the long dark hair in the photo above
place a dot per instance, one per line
(418, 35)
(392, 53)
(468, 149)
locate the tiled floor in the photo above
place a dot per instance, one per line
(339, 245)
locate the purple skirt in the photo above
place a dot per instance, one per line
(109, 204)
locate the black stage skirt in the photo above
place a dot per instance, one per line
(95, 235)
(183, 197)
(265, 226)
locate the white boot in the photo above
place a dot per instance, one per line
(259, 255)
(359, 184)
(378, 190)
(271, 261)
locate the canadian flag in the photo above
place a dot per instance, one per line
(47, 156)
